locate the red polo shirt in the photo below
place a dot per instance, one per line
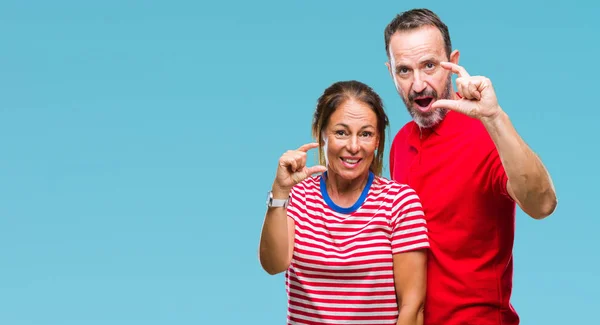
(455, 169)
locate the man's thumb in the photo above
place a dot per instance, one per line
(447, 103)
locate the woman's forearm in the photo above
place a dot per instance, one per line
(410, 314)
(410, 277)
(274, 250)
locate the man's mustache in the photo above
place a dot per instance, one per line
(424, 93)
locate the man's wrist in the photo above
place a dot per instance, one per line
(495, 122)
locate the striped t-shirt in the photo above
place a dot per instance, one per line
(341, 270)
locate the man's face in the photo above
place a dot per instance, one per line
(419, 78)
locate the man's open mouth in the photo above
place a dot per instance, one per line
(424, 101)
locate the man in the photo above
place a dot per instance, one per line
(470, 168)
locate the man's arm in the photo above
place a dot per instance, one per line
(529, 183)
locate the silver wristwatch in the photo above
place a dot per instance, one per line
(271, 202)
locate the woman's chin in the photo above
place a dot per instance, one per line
(349, 174)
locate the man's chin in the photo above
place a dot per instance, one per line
(419, 114)
(429, 118)
(423, 114)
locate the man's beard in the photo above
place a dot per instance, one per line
(433, 116)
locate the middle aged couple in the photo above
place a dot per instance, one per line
(433, 245)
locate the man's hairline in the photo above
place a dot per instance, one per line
(389, 42)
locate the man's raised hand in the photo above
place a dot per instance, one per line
(478, 96)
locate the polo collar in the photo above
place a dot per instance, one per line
(452, 123)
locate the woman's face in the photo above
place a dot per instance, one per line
(351, 139)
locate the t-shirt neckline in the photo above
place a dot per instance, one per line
(356, 205)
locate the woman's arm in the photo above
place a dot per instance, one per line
(277, 237)
(410, 244)
(410, 277)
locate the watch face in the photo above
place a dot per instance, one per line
(276, 203)
(269, 197)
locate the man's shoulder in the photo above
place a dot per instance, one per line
(404, 132)
(406, 129)
(471, 130)
(478, 134)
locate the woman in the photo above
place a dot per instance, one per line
(351, 242)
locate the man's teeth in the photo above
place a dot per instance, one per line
(351, 161)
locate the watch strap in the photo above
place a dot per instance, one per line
(272, 202)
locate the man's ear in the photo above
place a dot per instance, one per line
(389, 67)
(454, 56)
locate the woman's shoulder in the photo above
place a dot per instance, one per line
(393, 187)
(390, 183)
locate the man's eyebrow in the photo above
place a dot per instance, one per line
(401, 65)
(428, 58)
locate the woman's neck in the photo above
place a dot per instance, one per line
(345, 192)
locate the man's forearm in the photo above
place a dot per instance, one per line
(528, 179)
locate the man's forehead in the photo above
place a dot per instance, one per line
(416, 43)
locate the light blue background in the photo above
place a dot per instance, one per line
(138, 140)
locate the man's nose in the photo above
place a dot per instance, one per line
(418, 83)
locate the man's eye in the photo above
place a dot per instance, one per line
(403, 70)
(429, 65)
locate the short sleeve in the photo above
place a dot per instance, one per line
(409, 228)
(496, 174)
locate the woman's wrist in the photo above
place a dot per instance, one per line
(279, 192)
